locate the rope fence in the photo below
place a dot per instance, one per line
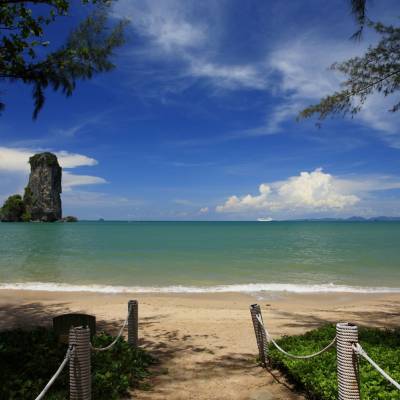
(67, 357)
(270, 338)
(79, 355)
(361, 352)
(111, 345)
(348, 351)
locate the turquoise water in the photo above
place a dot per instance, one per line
(190, 256)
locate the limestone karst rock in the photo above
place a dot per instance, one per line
(42, 195)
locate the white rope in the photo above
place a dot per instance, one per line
(258, 316)
(58, 372)
(116, 339)
(360, 351)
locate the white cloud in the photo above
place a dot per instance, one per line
(184, 32)
(368, 183)
(303, 66)
(314, 190)
(204, 210)
(17, 159)
(166, 24)
(229, 76)
(192, 36)
(70, 180)
(71, 160)
(14, 169)
(304, 78)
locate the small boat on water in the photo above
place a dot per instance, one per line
(267, 219)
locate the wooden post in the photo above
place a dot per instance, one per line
(133, 323)
(80, 382)
(63, 323)
(347, 362)
(261, 339)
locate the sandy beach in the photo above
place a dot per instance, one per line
(205, 342)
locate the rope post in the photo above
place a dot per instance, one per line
(261, 338)
(133, 323)
(347, 362)
(80, 383)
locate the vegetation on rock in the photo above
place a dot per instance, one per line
(13, 209)
(69, 218)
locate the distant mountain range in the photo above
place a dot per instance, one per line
(354, 219)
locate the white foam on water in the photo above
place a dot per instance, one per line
(239, 288)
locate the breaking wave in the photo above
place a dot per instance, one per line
(238, 288)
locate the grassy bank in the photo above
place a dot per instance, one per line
(317, 376)
(30, 358)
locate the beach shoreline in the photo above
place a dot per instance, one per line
(205, 342)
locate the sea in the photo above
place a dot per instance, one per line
(197, 257)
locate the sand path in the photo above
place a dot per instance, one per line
(205, 343)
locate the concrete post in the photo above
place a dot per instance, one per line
(347, 362)
(261, 339)
(80, 382)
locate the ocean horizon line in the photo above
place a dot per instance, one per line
(350, 219)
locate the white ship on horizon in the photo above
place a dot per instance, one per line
(265, 219)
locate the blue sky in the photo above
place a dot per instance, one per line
(198, 119)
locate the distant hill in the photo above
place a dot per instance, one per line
(354, 219)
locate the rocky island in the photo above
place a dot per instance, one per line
(42, 197)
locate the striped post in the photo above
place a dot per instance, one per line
(261, 339)
(347, 362)
(80, 382)
(133, 322)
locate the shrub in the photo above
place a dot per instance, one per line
(13, 209)
(30, 358)
(317, 376)
(69, 218)
(26, 216)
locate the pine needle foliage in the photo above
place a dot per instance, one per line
(25, 54)
(377, 71)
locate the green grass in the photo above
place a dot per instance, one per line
(30, 358)
(317, 376)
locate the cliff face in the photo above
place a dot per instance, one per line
(42, 195)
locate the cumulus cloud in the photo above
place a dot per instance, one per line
(314, 190)
(203, 210)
